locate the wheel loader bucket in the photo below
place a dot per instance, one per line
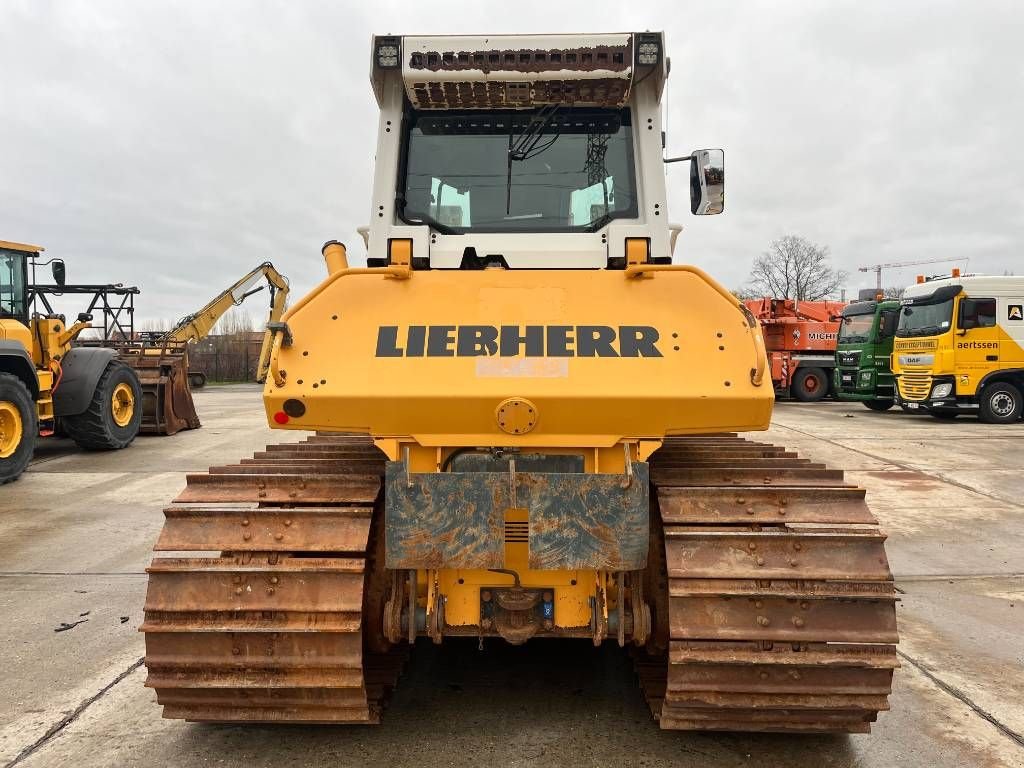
(167, 405)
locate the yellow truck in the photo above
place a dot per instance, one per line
(960, 348)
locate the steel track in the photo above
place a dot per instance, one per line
(777, 610)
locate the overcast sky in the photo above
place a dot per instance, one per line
(174, 145)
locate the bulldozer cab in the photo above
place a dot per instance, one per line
(545, 154)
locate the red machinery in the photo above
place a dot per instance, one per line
(800, 337)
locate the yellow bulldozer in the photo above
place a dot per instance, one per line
(161, 358)
(46, 385)
(523, 417)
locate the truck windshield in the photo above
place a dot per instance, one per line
(855, 329)
(554, 169)
(925, 319)
(12, 284)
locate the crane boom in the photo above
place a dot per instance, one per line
(877, 268)
(196, 326)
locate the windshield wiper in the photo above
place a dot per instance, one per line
(524, 146)
(421, 218)
(600, 221)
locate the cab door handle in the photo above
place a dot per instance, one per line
(991, 358)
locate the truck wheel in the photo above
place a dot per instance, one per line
(879, 405)
(196, 379)
(18, 427)
(1001, 403)
(809, 384)
(114, 415)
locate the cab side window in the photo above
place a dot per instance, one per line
(977, 313)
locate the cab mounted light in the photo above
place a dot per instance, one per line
(387, 52)
(648, 50)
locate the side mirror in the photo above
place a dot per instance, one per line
(57, 268)
(707, 182)
(84, 317)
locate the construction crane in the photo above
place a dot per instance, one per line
(877, 268)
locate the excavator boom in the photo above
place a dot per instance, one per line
(162, 362)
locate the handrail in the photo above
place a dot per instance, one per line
(758, 371)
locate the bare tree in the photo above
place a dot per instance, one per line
(893, 292)
(795, 268)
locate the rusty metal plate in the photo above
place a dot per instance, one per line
(683, 718)
(746, 477)
(267, 529)
(325, 468)
(457, 519)
(306, 698)
(782, 619)
(777, 701)
(196, 651)
(735, 462)
(282, 489)
(798, 589)
(329, 585)
(795, 554)
(250, 621)
(766, 678)
(589, 520)
(286, 714)
(802, 654)
(764, 505)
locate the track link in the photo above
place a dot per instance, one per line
(280, 620)
(777, 606)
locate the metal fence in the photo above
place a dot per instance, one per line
(230, 358)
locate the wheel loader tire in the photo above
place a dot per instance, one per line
(1001, 403)
(18, 427)
(114, 415)
(196, 379)
(879, 405)
(809, 385)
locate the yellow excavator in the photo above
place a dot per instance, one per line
(47, 386)
(161, 358)
(524, 420)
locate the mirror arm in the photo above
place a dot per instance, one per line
(685, 159)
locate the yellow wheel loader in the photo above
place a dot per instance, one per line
(161, 359)
(46, 385)
(524, 419)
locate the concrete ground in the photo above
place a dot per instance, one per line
(75, 534)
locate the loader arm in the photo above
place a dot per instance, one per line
(278, 304)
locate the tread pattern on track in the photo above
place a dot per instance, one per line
(267, 625)
(781, 605)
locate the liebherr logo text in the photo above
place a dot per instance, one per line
(517, 340)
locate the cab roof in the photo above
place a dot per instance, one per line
(21, 247)
(973, 285)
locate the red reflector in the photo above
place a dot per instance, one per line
(281, 417)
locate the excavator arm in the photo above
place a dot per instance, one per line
(195, 327)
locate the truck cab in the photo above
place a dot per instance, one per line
(863, 350)
(959, 348)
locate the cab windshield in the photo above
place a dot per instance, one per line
(925, 319)
(12, 283)
(553, 169)
(855, 329)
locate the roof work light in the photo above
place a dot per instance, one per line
(386, 52)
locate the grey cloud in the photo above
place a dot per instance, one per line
(175, 145)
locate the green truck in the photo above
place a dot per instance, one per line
(863, 352)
